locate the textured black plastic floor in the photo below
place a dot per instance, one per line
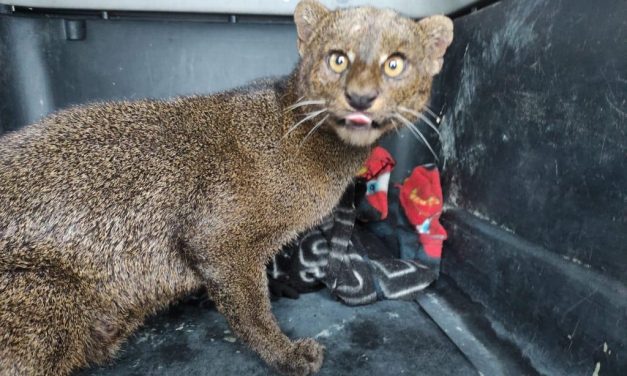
(386, 338)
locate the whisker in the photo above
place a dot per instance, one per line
(423, 117)
(396, 127)
(318, 125)
(437, 117)
(309, 116)
(303, 103)
(416, 133)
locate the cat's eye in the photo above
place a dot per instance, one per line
(338, 62)
(394, 66)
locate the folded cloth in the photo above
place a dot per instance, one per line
(355, 265)
(360, 262)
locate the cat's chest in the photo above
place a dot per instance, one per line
(309, 194)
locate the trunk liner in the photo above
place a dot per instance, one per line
(386, 338)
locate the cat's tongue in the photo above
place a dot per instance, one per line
(358, 119)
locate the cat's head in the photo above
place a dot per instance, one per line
(367, 67)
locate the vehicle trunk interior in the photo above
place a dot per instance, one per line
(532, 151)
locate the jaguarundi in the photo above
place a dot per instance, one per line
(110, 211)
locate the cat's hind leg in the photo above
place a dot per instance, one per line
(46, 318)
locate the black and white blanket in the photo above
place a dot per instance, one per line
(343, 255)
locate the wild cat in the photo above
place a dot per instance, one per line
(110, 211)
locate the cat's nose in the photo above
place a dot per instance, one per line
(361, 101)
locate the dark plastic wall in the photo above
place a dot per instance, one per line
(131, 58)
(534, 146)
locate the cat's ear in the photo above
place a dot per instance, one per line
(437, 32)
(306, 16)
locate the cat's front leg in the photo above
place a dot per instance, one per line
(241, 295)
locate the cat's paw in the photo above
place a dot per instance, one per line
(303, 358)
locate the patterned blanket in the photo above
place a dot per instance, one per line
(375, 244)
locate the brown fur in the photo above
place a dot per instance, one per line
(108, 212)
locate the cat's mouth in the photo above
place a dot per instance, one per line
(358, 121)
(358, 128)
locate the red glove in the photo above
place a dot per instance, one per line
(421, 198)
